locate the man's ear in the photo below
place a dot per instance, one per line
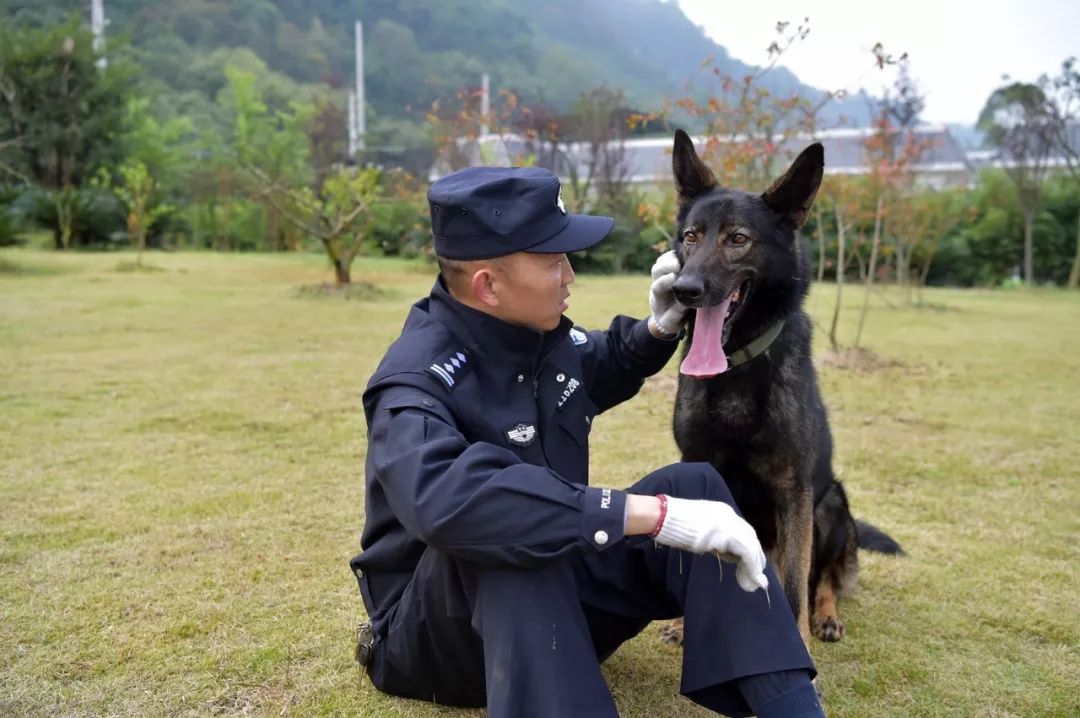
(692, 177)
(482, 283)
(793, 194)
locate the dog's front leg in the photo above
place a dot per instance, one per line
(795, 533)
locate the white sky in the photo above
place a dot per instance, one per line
(958, 50)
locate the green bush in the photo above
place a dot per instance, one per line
(229, 224)
(631, 246)
(98, 218)
(11, 223)
(398, 228)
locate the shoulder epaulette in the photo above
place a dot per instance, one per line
(450, 370)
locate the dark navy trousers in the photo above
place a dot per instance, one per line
(530, 642)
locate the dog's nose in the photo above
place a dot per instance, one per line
(688, 289)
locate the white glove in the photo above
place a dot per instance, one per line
(667, 313)
(702, 526)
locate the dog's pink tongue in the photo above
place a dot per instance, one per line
(706, 357)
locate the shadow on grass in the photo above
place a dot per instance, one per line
(135, 267)
(858, 359)
(935, 307)
(362, 291)
(22, 269)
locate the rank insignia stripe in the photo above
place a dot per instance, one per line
(451, 369)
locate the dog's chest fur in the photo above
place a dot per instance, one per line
(756, 425)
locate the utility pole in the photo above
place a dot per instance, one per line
(360, 128)
(352, 123)
(97, 27)
(485, 103)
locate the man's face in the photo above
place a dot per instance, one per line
(532, 289)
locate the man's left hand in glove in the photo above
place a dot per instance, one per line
(668, 314)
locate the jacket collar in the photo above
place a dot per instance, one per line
(483, 334)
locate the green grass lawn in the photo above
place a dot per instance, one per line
(181, 487)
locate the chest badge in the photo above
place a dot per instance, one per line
(578, 337)
(522, 434)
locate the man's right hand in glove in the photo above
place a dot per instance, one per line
(700, 526)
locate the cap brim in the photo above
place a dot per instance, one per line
(581, 232)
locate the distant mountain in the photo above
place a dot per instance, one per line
(417, 51)
(652, 50)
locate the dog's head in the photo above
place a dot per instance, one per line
(739, 248)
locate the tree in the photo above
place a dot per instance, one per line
(60, 116)
(945, 210)
(165, 148)
(1063, 96)
(870, 271)
(846, 199)
(746, 124)
(892, 151)
(465, 135)
(333, 214)
(586, 147)
(139, 194)
(1018, 121)
(327, 201)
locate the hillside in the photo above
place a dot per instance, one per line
(416, 52)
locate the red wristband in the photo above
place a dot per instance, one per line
(663, 515)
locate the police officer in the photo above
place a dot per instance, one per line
(492, 572)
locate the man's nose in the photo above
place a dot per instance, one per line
(688, 289)
(568, 273)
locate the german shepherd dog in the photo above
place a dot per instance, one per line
(748, 400)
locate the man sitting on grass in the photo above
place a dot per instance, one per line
(492, 573)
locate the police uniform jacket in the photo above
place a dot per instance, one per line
(478, 441)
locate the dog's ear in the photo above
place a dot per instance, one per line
(793, 194)
(692, 177)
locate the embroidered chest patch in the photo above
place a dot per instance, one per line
(522, 434)
(578, 337)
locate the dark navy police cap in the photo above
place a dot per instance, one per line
(484, 212)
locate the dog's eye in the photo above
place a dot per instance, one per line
(689, 237)
(738, 239)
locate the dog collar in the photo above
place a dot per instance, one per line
(756, 347)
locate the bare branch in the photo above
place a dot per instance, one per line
(345, 222)
(297, 221)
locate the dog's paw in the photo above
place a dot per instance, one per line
(673, 633)
(828, 628)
